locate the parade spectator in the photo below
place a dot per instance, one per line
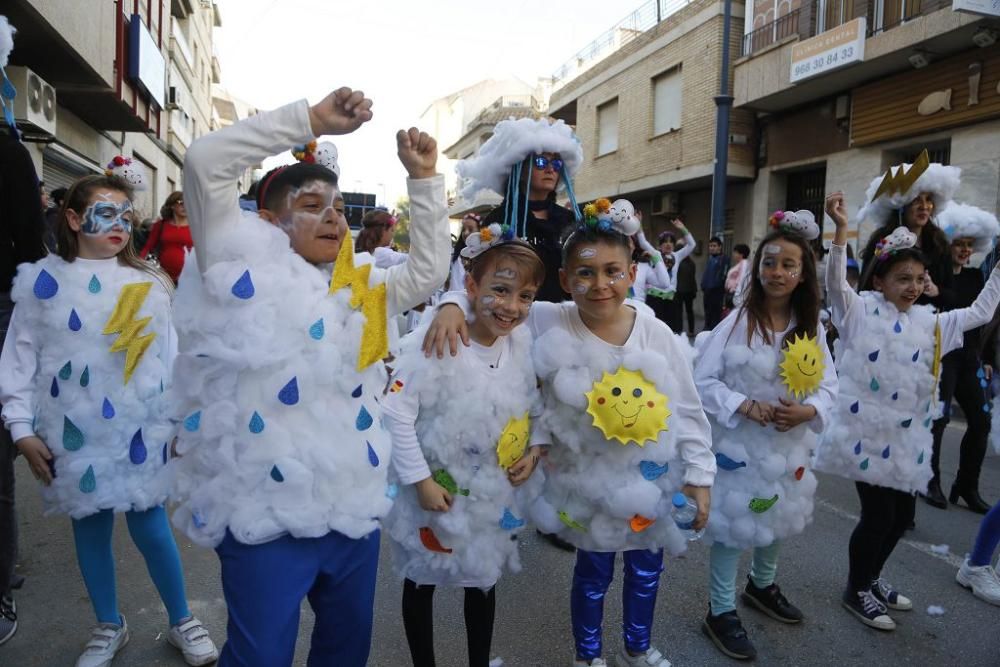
(713, 283)
(170, 236)
(741, 253)
(470, 225)
(687, 289)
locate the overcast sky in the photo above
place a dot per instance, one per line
(403, 54)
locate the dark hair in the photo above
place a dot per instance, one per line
(667, 235)
(716, 239)
(58, 196)
(277, 182)
(931, 240)
(460, 241)
(77, 198)
(879, 268)
(167, 210)
(743, 249)
(805, 301)
(373, 224)
(585, 234)
(517, 252)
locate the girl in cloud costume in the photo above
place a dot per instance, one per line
(282, 455)
(764, 366)
(888, 358)
(84, 367)
(627, 431)
(460, 429)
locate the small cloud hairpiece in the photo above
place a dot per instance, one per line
(323, 153)
(607, 216)
(126, 169)
(901, 238)
(487, 237)
(801, 222)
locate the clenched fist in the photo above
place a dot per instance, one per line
(418, 152)
(341, 112)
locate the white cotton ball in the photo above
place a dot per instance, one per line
(7, 32)
(772, 466)
(638, 498)
(935, 610)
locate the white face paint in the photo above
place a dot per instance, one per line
(579, 287)
(505, 273)
(772, 249)
(305, 222)
(618, 277)
(587, 253)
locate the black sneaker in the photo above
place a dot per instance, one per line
(8, 618)
(556, 541)
(770, 601)
(727, 633)
(868, 609)
(890, 598)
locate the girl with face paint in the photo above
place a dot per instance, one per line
(88, 355)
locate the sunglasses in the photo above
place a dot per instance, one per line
(541, 162)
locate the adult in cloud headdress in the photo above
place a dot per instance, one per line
(529, 160)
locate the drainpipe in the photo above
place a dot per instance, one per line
(723, 102)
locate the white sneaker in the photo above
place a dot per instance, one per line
(105, 642)
(651, 658)
(890, 598)
(192, 639)
(596, 662)
(982, 580)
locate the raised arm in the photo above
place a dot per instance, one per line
(846, 308)
(956, 322)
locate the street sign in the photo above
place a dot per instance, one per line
(831, 50)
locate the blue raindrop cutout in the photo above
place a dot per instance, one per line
(163, 454)
(289, 394)
(85, 376)
(276, 474)
(372, 456)
(391, 491)
(256, 423)
(857, 448)
(66, 371)
(74, 321)
(317, 330)
(873, 356)
(885, 452)
(855, 407)
(198, 521)
(510, 522)
(192, 422)
(927, 422)
(357, 392)
(94, 286)
(72, 435)
(243, 287)
(916, 355)
(45, 285)
(895, 395)
(88, 483)
(906, 423)
(107, 410)
(864, 464)
(364, 420)
(920, 459)
(54, 389)
(137, 450)
(876, 311)
(727, 463)
(874, 384)
(980, 373)
(897, 327)
(986, 407)
(651, 470)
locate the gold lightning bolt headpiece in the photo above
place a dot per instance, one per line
(123, 321)
(903, 179)
(374, 337)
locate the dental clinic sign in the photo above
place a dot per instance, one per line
(831, 50)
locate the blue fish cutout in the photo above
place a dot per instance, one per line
(45, 285)
(651, 470)
(855, 406)
(357, 392)
(391, 491)
(107, 409)
(727, 463)
(364, 420)
(897, 327)
(85, 376)
(243, 287)
(276, 474)
(885, 452)
(906, 423)
(317, 330)
(256, 423)
(94, 286)
(916, 355)
(372, 456)
(72, 436)
(66, 371)
(873, 356)
(74, 321)
(289, 394)
(88, 483)
(857, 448)
(54, 389)
(192, 422)
(510, 522)
(137, 450)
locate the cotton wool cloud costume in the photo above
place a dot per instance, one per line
(283, 458)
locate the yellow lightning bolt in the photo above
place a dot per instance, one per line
(374, 337)
(903, 179)
(123, 321)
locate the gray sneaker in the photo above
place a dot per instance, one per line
(8, 618)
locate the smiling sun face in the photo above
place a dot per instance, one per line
(802, 366)
(628, 408)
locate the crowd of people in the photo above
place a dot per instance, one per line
(251, 381)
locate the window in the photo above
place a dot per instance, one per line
(607, 127)
(667, 98)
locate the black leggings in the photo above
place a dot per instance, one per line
(418, 620)
(885, 516)
(958, 380)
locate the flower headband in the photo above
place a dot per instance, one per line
(305, 152)
(901, 238)
(605, 216)
(487, 237)
(801, 222)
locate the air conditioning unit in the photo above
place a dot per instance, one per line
(175, 98)
(665, 203)
(35, 104)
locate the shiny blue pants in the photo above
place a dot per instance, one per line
(591, 578)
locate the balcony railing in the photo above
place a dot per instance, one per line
(817, 16)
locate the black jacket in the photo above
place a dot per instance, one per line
(21, 219)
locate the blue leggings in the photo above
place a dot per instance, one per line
(591, 578)
(151, 534)
(987, 539)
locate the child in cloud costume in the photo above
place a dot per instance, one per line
(282, 454)
(785, 382)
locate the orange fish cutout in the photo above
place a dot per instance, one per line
(639, 523)
(799, 472)
(430, 541)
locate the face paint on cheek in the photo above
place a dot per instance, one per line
(103, 217)
(617, 278)
(579, 287)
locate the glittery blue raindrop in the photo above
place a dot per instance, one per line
(276, 474)
(727, 463)
(88, 483)
(885, 452)
(897, 327)
(510, 522)
(364, 420)
(137, 450)
(107, 410)
(864, 464)
(243, 288)
(66, 371)
(45, 285)
(357, 392)
(317, 330)
(857, 448)
(855, 406)
(256, 423)
(85, 376)
(74, 321)
(895, 395)
(192, 422)
(873, 356)
(72, 436)
(372, 456)
(94, 286)
(916, 355)
(906, 423)
(289, 394)
(54, 389)
(651, 470)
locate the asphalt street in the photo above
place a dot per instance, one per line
(532, 626)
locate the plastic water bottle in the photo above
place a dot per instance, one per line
(684, 512)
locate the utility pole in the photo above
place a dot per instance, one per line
(723, 102)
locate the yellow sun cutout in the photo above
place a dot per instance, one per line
(627, 407)
(802, 366)
(513, 441)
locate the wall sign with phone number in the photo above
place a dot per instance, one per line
(824, 61)
(830, 50)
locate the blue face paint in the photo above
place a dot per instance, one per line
(103, 217)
